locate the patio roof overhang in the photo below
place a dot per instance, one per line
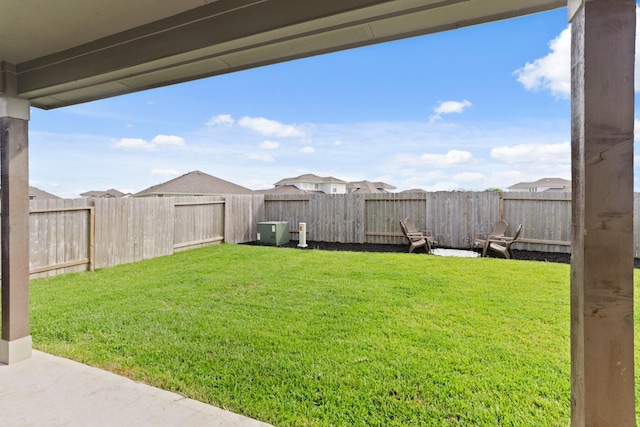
(66, 52)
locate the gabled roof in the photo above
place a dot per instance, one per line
(108, 194)
(554, 184)
(288, 189)
(365, 187)
(309, 177)
(383, 186)
(414, 190)
(194, 183)
(369, 187)
(36, 193)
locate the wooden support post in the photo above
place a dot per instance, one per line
(92, 238)
(602, 102)
(15, 344)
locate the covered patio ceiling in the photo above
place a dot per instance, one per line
(64, 52)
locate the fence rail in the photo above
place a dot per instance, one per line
(73, 235)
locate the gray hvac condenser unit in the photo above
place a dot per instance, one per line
(273, 233)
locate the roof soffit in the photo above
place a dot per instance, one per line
(228, 35)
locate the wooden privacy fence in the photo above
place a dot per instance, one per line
(198, 223)
(545, 219)
(81, 234)
(454, 218)
(375, 218)
(61, 236)
(242, 214)
(73, 235)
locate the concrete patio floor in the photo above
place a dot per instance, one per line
(46, 390)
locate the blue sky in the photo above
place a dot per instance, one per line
(480, 107)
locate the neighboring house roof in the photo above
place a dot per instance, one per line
(363, 187)
(309, 178)
(383, 186)
(369, 187)
(194, 183)
(36, 193)
(110, 193)
(414, 190)
(549, 184)
(288, 189)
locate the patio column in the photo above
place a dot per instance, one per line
(15, 344)
(602, 104)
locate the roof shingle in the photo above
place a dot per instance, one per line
(194, 183)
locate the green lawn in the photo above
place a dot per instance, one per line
(312, 338)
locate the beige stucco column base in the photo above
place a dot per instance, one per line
(16, 350)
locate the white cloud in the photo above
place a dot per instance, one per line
(636, 130)
(165, 172)
(268, 127)
(469, 177)
(44, 185)
(451, 158)
(258, 184)
(552, 72)
(442, 186)
(134, 144)
(308, 149)
(269, 145)
(224, 120)
(140, 144)
(449, 107)
(168, 140)
(455, 157)
(260, 156)
(533, 153)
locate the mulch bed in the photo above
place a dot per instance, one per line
(371, 247)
